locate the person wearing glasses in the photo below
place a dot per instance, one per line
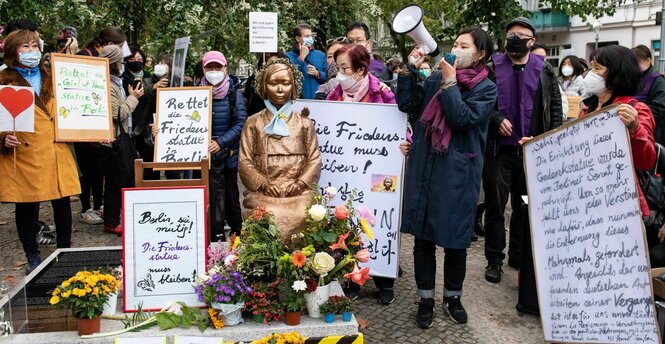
(358, 33)
(311, 62)
(529, 104)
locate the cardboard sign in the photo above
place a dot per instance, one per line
(82, 98)
(592, 267)
(574, 106)
(262, 32)
(359, 145)
(197, 340)
(164, 245)
(179, 59)
(17, 109)
(184, 117)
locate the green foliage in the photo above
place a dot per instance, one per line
(341, 304)
(137, 318)
(327, 308)
(190, 316)
(261, 247)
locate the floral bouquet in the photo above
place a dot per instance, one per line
(261, 247)
(224, 253)
(85, 293)
(336, 238)
(224, 290)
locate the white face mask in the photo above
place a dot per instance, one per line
(594, 84)
(464, 58)
(160, 70)
(346, 81)
(567, 70)
(214, 77)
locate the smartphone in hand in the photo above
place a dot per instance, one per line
(450, 58)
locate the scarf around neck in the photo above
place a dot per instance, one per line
(277, 125)
(357, 92)
(433, 116)
(220, 90)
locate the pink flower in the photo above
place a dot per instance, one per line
(341, 212)
(230, 260)
(362, 255)
(340, 244)
(366, 214)
(358, 276)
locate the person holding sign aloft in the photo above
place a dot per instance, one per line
(118, 157)
(45, 169)
(452, 111)
(229, 114)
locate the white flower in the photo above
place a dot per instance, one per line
(322, 263)
(299, 286)
(330, 192)
(174, 308)
(317, 212)
(230, 259)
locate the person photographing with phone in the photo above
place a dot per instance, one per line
(452, 109)
(311, 62)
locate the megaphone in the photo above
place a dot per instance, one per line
(409, 21)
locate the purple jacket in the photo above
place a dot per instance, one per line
(378, 93)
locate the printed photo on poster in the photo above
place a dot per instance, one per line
(179, 60)
(384, 183)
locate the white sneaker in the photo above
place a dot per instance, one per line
(91, 217)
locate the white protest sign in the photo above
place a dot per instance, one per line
(197, 340)
(184, 116)
(141, 340)
(179, 59)
(17, 109)
(82, 98)
(164, 245)
(262, 32)
(588, 241)
(359, 145)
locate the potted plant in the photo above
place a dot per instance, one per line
(328, 310)
(285, 338)
(343, 305)
(224, 290)
(294, 301)
(263, 304)
(111, 306)
(85, 294)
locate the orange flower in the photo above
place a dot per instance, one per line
(340, 243)
(298, 259)
(362, 255)
(358, 276)
(341, 212)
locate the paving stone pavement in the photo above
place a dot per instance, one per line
(491, 307)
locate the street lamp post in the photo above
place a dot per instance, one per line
(596, 27)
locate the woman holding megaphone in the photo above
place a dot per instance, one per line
(451, 110)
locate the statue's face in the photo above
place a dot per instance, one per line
(279, 87)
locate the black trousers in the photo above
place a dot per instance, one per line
(216, 201)
(92, 178)
(503, 174)
(147, 153)
(424, 261)
(112, 190)
(233, 210)
(27, 216)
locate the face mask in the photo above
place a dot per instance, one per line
(425, 72)
(122, 68)
(136, 66)
(567, 71)
(395, 76)
(308, 42)
(30, 59)
(346, 81)
(464, 58)
(517, 46)
(594, 84)
(160, 70)
(214, 77)
(332, 70)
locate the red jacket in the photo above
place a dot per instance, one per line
(641, 141)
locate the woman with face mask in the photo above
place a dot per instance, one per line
(613, 79)
(34, 167)
(570, 76)
(451, 110)
(229, 114)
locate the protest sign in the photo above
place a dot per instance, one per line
(82, 98)
(164, 245)
(359, 145)
(262, 32)
(184, 116)
(589, 249)
(17, 109)
(179, 59)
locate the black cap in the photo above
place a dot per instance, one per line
(522, 21)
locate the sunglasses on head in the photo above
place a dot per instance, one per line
(341, 39)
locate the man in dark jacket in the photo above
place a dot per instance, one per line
(529, 104)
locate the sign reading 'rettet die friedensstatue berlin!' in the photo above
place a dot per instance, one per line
(588, 239)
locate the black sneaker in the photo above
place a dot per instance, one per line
(493, 273)
(43, 227)
(352, 291)
(425, 316)
(45, 239)
(386, 296)
(453, 306)
(33, 262)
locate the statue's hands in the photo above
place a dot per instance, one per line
(295, 188)
(270, 190)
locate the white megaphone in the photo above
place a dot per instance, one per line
(409, 21)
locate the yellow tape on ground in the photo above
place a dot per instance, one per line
(359, 339)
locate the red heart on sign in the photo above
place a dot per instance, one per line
(16, 101)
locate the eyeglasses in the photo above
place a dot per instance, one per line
(341, 39)
(511, 35)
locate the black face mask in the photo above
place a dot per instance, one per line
(135, 66)
(517, 46)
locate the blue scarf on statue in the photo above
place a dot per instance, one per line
(277, 125)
